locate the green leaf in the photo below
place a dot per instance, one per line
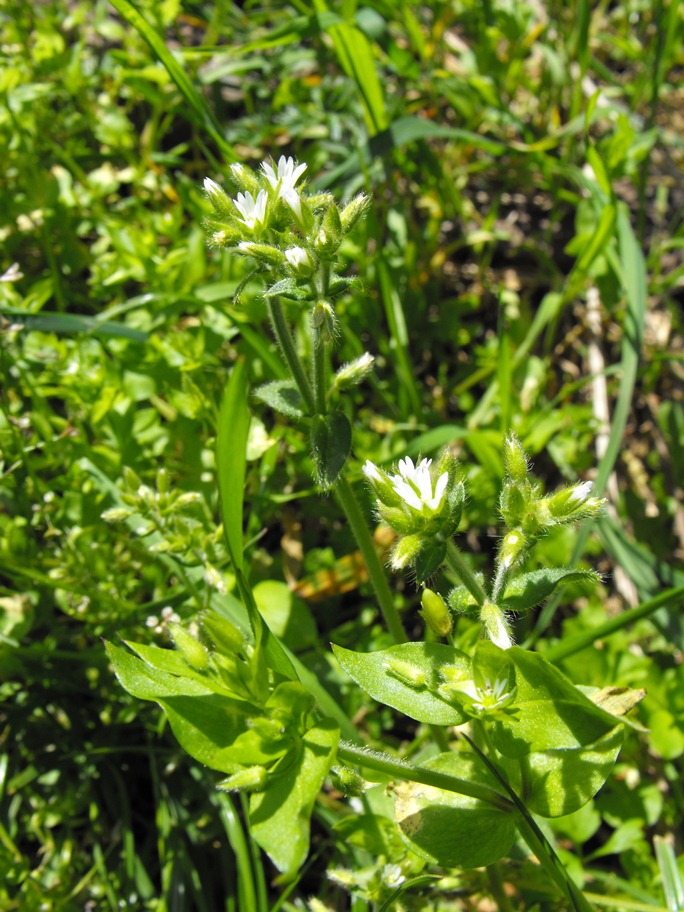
(283, 396)
(449, 829)
(549, 713)
(562, 781)
(73, 323)
(287, 288)
(406, 677)
(231, 459)
(405, 130)
(287, 616)
(280, 816)
(331, 443)
(205, 724)
(530, 589)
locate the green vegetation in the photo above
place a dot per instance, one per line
(518, 271)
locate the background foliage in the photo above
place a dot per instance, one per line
(513, 151)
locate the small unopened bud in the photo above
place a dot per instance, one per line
(353, 211)
(223, 634)
(512, 548)
(323, 322)
(516, 460)
(191, 649)
(354, 372)
(219, 198)
(163, 481)
(435, 613)
(244, 179)
(406, 551)
(300, 262)
(408, 674)
(496, 626)
(265, 253)
(252, 779)
(116, 514)
(348, 781)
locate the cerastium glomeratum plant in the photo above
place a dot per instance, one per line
(515, 739)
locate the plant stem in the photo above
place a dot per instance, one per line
(286, 343)
(499, 582)
(383, 763)
(347, 500)
(457, 564)
(319, 373)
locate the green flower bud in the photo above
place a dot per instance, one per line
(117, 514)
(222, 633)
(517, 465)
(324, 322)
(406, 551)
(354, 372)
(435, 613)
(512, 549)
(353, 211)
(496, 625)
(573, 503)
(300, 262)
(191, 649)
(348, 781)
(244, 179)
(264, 253)
(408, 674)
(219, 198)
(252, 779)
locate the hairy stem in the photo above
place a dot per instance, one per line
(347, 500)
(286, 343)
(457, 564)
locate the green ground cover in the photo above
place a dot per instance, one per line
(519, 270)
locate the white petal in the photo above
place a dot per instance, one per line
(581, 492)
(440, 488)
(406, 492)
(370, 470)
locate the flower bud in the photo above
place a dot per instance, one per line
(300, 262)
(252, 779)
(353, 211)
(191, 649)
(512, 549)
(517, 465)
(223, 634)
(407, 673)
(218, 197)
(244, 179)
(406, 551)
(323, 322)
(573, 503)
(496, 626)
(354, 372)
(117, 514)
(265, 253)
(348, 781)
(435, 613)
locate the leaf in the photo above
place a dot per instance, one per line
(283, 396)
(280, 816)
(331, 443)
(287, 616)
(73, 323)
(530, 589)
(231, 459)
(449, 829)
(562, 781)
(548, 713)
(206, 724)
(406, 677)
(288, 288)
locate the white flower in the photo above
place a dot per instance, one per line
(287, 175)
(370, 470)
(252, 210)
(414, 485)
(212, 188)
(292, 199)
(298, 258)
(581, 492)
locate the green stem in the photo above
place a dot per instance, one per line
(499, 582)
(383, 763)
(496, 886)
(319, 373)
(347, 500)
(286, 343)
(457, 564)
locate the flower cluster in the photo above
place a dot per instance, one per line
(274, 221)
(423, 505)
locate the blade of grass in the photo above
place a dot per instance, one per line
(399, 337)
(246, 888)
(198, 105)
(669, 874)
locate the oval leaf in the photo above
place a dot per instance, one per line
(331, 442)
(407, 677)
(530, 589)
(449, 829)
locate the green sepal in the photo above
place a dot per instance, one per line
(407, 678)
(429, 560)
(331, 443)
(283, 396)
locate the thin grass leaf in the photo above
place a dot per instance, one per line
(197, 104)
(70, 324)
(669, 873)
(238, 840)
(231, 459)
